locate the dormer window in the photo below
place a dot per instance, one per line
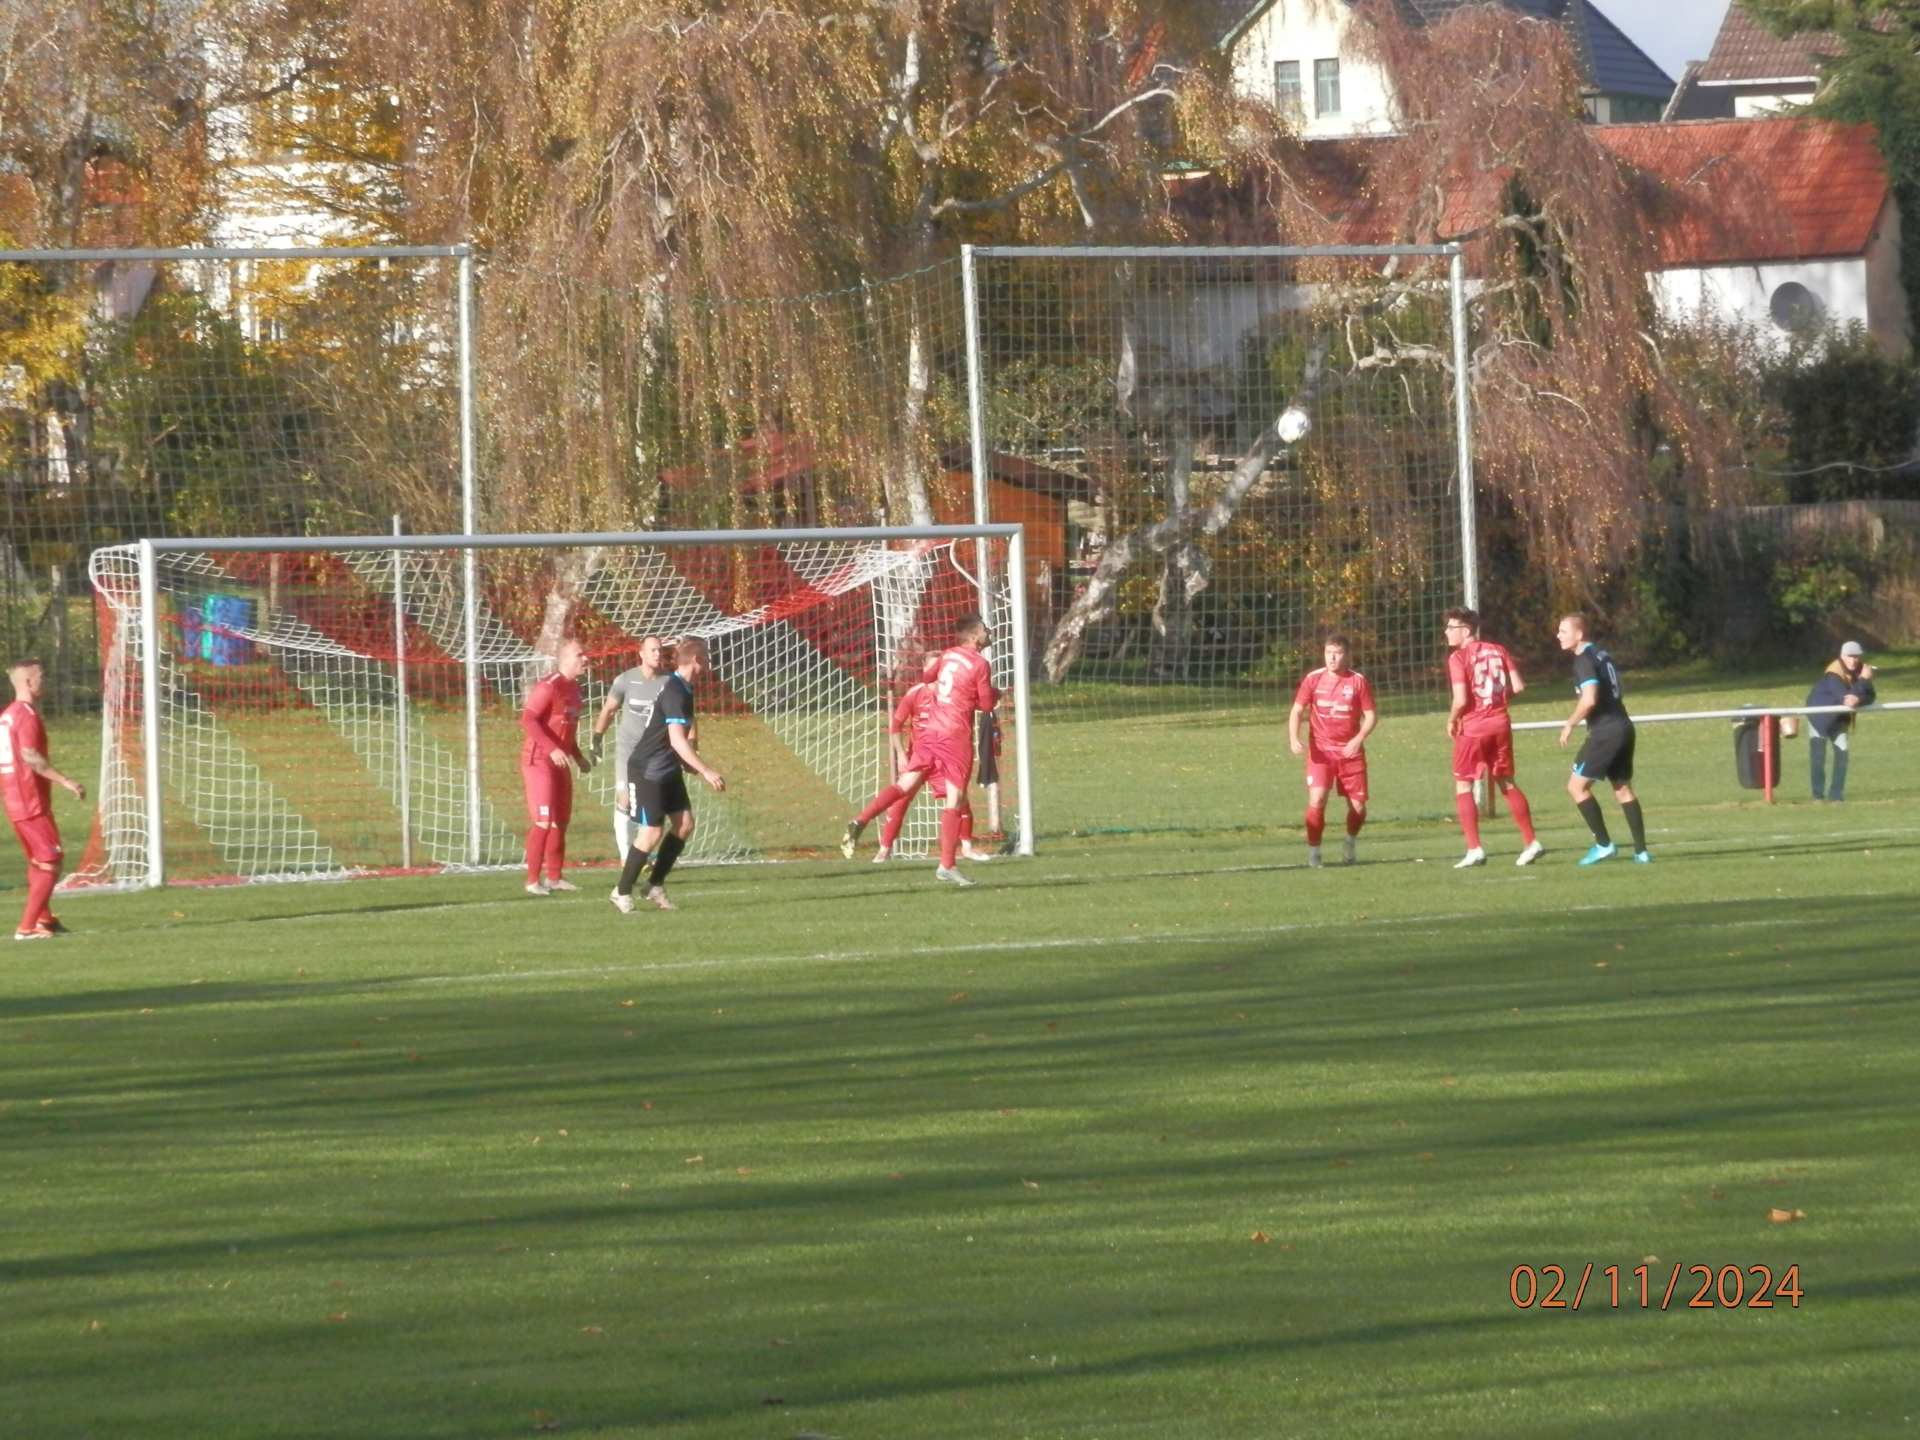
(1326, 88)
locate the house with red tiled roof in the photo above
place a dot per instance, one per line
(1779, 223)
(1750, 73)
(1308, 59)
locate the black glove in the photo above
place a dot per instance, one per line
(599, 742)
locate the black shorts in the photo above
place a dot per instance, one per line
(988, 769)
(1607, 753)
(650, 802)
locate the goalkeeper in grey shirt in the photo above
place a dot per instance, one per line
(632, 697)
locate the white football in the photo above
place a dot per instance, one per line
(1293, 424)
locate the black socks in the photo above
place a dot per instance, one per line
(1636, 823)
(1590, 812)
(670, 848)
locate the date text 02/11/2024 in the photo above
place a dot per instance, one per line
(1726, 1288)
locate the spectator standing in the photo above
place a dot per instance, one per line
(1848, 681)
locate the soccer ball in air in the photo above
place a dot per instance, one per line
(1293, 424)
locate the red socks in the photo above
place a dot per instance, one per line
(950, 820)
(1469, 812)
(896, 817)
(1522, 812)
(885, 800)
(966, 822)
(556, 851)
(39, 891)
(536, 850)
(1355, 819)
(1316, 823)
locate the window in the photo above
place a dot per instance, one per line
(1286, 88)
(1326, 87)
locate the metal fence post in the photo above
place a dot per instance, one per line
(403, 726)
(1463, 429)
(470, 561)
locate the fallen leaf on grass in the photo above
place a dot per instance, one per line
(958, 995)
(355, 1045)
(1346, 1164)
(1259, 1237)
(336, 1319)
(695, 1159)
(1030, 1184)
(626, 1004)
(896, 1175)
(414, 1056)
(1781, 1217)
(778, 1341)
(1599, 964)
(646, 1104)
(563, 1132)
(744, 1170)
(94, 1327)
(179, 914)
(543, 1421)
(503, 1249)
(1005, 1112)
(147, 1011)
(1053, 1024)
(1718, 1194)
(1449, 1081)
(591, 1330)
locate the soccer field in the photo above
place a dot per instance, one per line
(1156, 1135)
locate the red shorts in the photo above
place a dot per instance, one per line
(40, 838)
(1327, 771)
(947, 766)
(549, 793)
(1487, 749)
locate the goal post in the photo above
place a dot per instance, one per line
(284, 708)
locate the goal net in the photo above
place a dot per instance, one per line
(294, 709)
(1223, 455)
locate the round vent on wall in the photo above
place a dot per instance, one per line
(1795, 308)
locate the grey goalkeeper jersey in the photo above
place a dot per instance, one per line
(637, 696)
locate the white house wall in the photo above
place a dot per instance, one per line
(1306, 31)
(1745, 292)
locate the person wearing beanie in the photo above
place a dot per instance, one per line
(1847, 681)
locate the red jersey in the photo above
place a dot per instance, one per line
(1335, 704)
(962, 684)
(26, 793)
(911, 712)
(1489, 674)
(550, 718)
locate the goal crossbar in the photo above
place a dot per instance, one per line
(1004, 602)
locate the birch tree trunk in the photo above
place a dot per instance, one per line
(1178, 530)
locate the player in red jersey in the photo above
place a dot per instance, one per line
(962, 685)
(1484, 678)
(902, 729)
(27, 778)
(550, 717)
(1340, 704)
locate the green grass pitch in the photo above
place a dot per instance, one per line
(835, 1152)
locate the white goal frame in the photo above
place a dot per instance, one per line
(140, 642)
